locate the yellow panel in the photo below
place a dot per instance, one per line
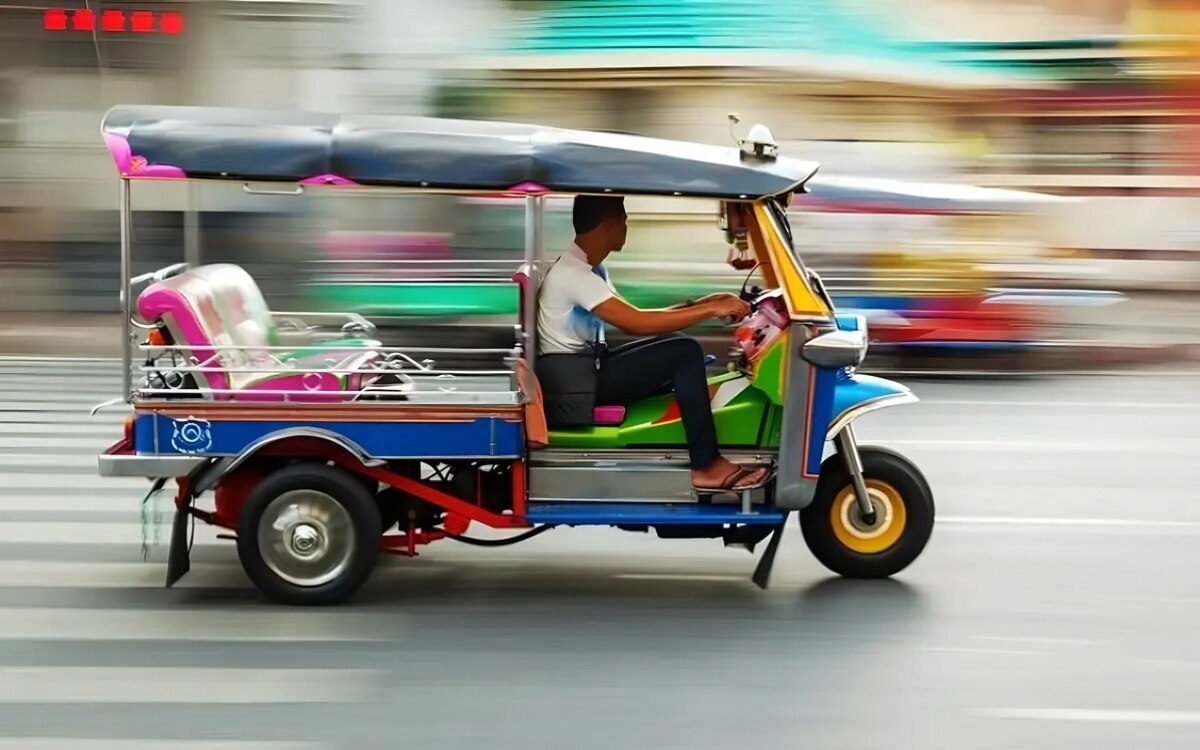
(767, 267)
(801, 299)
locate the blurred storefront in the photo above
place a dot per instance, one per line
(1063, 97)
(63, 63)
(1088, 98)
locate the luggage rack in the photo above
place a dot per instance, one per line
(337, 371)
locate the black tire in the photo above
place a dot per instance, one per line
(888, 551)
(355, 525)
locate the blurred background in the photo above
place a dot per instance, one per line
(1006, 184)
(1007, 187)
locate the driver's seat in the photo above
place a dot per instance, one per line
(606, 416)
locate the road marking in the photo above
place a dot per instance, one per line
(71, 482)
(1002, 404)
(109, 432)
(43, 359)
(215, 625)
(1155, 599)
(42, 532)
(1176, 447)
(192, 685)
(89, 442)
(1052, 641)
(38, 574)
(1039, 521)
(128, 504)
(679, 577)
(78, 743)
(82, 407)
(1093, 714)
(984, 651)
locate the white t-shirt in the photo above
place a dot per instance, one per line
(568, 293)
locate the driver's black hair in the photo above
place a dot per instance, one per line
(591, 210)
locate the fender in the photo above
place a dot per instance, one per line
(220, 468)
(855, 395)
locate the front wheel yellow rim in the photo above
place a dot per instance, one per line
(869, 539)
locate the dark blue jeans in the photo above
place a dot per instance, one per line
(662, 364)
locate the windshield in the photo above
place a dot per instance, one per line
(779, 214)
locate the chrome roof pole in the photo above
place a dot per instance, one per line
(535, 214)
(126, 292)
(191, 226)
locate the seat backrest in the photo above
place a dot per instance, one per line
(522, 279)
(240, 304)
(185, 304)
(209, 308)
(601, 415)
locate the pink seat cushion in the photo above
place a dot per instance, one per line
(608, 415)
(210, 308)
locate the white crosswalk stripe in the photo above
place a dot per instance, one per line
(71, 573)
(74, 743)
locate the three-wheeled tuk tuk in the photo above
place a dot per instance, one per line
(318, 447)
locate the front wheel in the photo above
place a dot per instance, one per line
(834, 528)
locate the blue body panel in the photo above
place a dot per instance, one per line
(824, 402)
(648, 514)
(846, 321)
(156, 434)
(853, 390)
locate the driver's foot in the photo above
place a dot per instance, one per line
(724, 474)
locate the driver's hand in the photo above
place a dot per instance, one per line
(728, 306)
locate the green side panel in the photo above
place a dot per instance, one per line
(413, 300)
(768, 375)
(738, 423)
(774, 426)
(586, 437)
(320, 347)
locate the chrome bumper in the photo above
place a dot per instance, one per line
(151, 467)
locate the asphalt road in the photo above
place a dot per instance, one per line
(1056, 607)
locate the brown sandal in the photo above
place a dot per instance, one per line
(730, 482)
(764, 472)
(727, 482)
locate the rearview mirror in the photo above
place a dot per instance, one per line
(837, 349)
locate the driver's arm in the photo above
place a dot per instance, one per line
(616, 311)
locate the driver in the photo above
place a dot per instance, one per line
(576, 300)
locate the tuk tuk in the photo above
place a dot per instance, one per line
(318, 448)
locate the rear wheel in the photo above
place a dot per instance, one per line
(309, 534)
(840, 538)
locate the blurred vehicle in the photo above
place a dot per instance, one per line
(935, 303)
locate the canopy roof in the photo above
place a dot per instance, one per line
(432, 153)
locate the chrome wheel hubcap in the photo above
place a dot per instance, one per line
(853, 519)
(306, 537)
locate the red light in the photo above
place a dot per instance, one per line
(84, 20)
(55, 19)
(172, 22)
(143, 20)
(112, 20)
